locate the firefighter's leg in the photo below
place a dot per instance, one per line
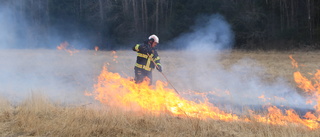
(138, 75)
(149, 75)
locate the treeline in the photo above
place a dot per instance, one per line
(257, 24)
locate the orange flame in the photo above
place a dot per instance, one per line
(313, 88)
(303, 82)
(276, 117)
(114, 54)
(310, 86)
(263, 98)
(294, 63)
(116, 91)
(64, 46)
(96, 48)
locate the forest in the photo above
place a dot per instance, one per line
(118, 24)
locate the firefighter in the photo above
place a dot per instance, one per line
(147, 59)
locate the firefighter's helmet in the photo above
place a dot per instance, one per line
(154, 38)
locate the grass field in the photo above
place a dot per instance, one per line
(43, 92)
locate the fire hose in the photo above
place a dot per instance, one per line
(163, 75)
(168, 82)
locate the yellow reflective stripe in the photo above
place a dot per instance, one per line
(139, 65)
(159, 64)
(157, 58)
(142, 55)
(148, 62)
(149, 59)
(143, 67)
(137, 47)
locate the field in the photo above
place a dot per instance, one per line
(45, 93)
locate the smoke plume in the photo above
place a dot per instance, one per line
(27, 66)
(209, 33)
(239, 84)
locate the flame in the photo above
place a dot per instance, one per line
(303, 82)
(115, 91)
(294, 63)
(263, 98)
(119, 92)
(311, 116)
(309, 102)
(96, 48)
(276, 117)
(309, 86)
(65, 46)
(114, 54)
(312, 87)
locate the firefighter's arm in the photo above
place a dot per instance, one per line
(157, 61)
(136, 47)
(142, 48)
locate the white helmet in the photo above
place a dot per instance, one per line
(155, 38)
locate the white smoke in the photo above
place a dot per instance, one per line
(210, 40)
(24, 71)
(54, 73)
(11, 27)
(209, 33)
(25, 24)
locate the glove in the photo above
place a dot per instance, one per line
(159, 68)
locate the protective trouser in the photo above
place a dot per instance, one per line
(141, 74)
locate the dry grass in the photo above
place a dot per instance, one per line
(39, 116)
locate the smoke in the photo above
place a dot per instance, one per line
(209, 33)
(27, 25)
(11, 25)
(241, 83)
(56, 74)
(63, 77)
(26, 64)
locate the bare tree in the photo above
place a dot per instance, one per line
(310, 18)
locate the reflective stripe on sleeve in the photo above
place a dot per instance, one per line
(137, 47)
(157, 58)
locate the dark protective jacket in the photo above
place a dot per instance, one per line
(145, 56)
